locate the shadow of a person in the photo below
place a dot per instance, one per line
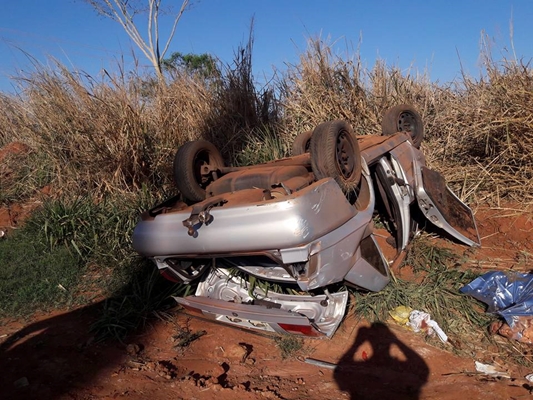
(385, 368)
(49, 358)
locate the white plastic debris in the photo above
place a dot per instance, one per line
(529, 377)
(491, 370)
(420, 320)
(2, 233)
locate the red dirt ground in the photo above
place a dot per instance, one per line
(54, 357)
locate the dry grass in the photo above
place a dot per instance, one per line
(478, 131)
(116, 134)
(483, 137)
(326, 86)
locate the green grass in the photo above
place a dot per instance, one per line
(128, 309)
(436, 291)
(289, 345)
(262, 146)
(45, 263)
(22, 176)
(35, 277)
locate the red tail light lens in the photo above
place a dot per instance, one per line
(306, 330)
(165, 273)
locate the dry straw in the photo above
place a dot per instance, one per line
(116, 133)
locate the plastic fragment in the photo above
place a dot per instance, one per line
(22, 382)
(320, 363)
(491, 370)
(401, 314)
(420, 320)
(510, 295)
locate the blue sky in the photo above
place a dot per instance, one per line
(437, 36)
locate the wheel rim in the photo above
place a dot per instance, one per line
(202, 159)
(345, 151)
(406, 122)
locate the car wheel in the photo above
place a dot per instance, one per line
(335, 153)
(302, 143)
(403, 118)
(195, 166)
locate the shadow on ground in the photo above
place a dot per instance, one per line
(51, 357)
(58, 355)
(384, 367)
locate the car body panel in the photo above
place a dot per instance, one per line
(444, 209)
(242, 226)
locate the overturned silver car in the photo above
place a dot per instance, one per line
(303, 222)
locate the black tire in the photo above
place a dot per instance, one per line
(188, 163)
(403, 118)
(335, 153)
(302, 143)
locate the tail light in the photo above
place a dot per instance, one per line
(165, 273)
(306, 330)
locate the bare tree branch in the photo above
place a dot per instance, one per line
(123, 12)
(176, 20)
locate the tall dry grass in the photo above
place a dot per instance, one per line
(117, 133)
(100, 135)
(325, 86)
(483, 136)
(478, 130)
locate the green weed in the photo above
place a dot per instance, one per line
(35, 277)
(436, 291)
(289, 345)
(262, 146)
(130, 307)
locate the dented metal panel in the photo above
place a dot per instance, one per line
(444, 209)
(242, 226)
(228, 296)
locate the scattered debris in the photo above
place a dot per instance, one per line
(521, 331)
(491, 370)
(510, 295)
(401, 314)
(320, 363)
(421, 321)
(134, 349)
(185, 337)
(22, 382)
(417, 321)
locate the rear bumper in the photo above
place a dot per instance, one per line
(230, 300)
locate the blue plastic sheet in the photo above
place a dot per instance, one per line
(509, 294)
